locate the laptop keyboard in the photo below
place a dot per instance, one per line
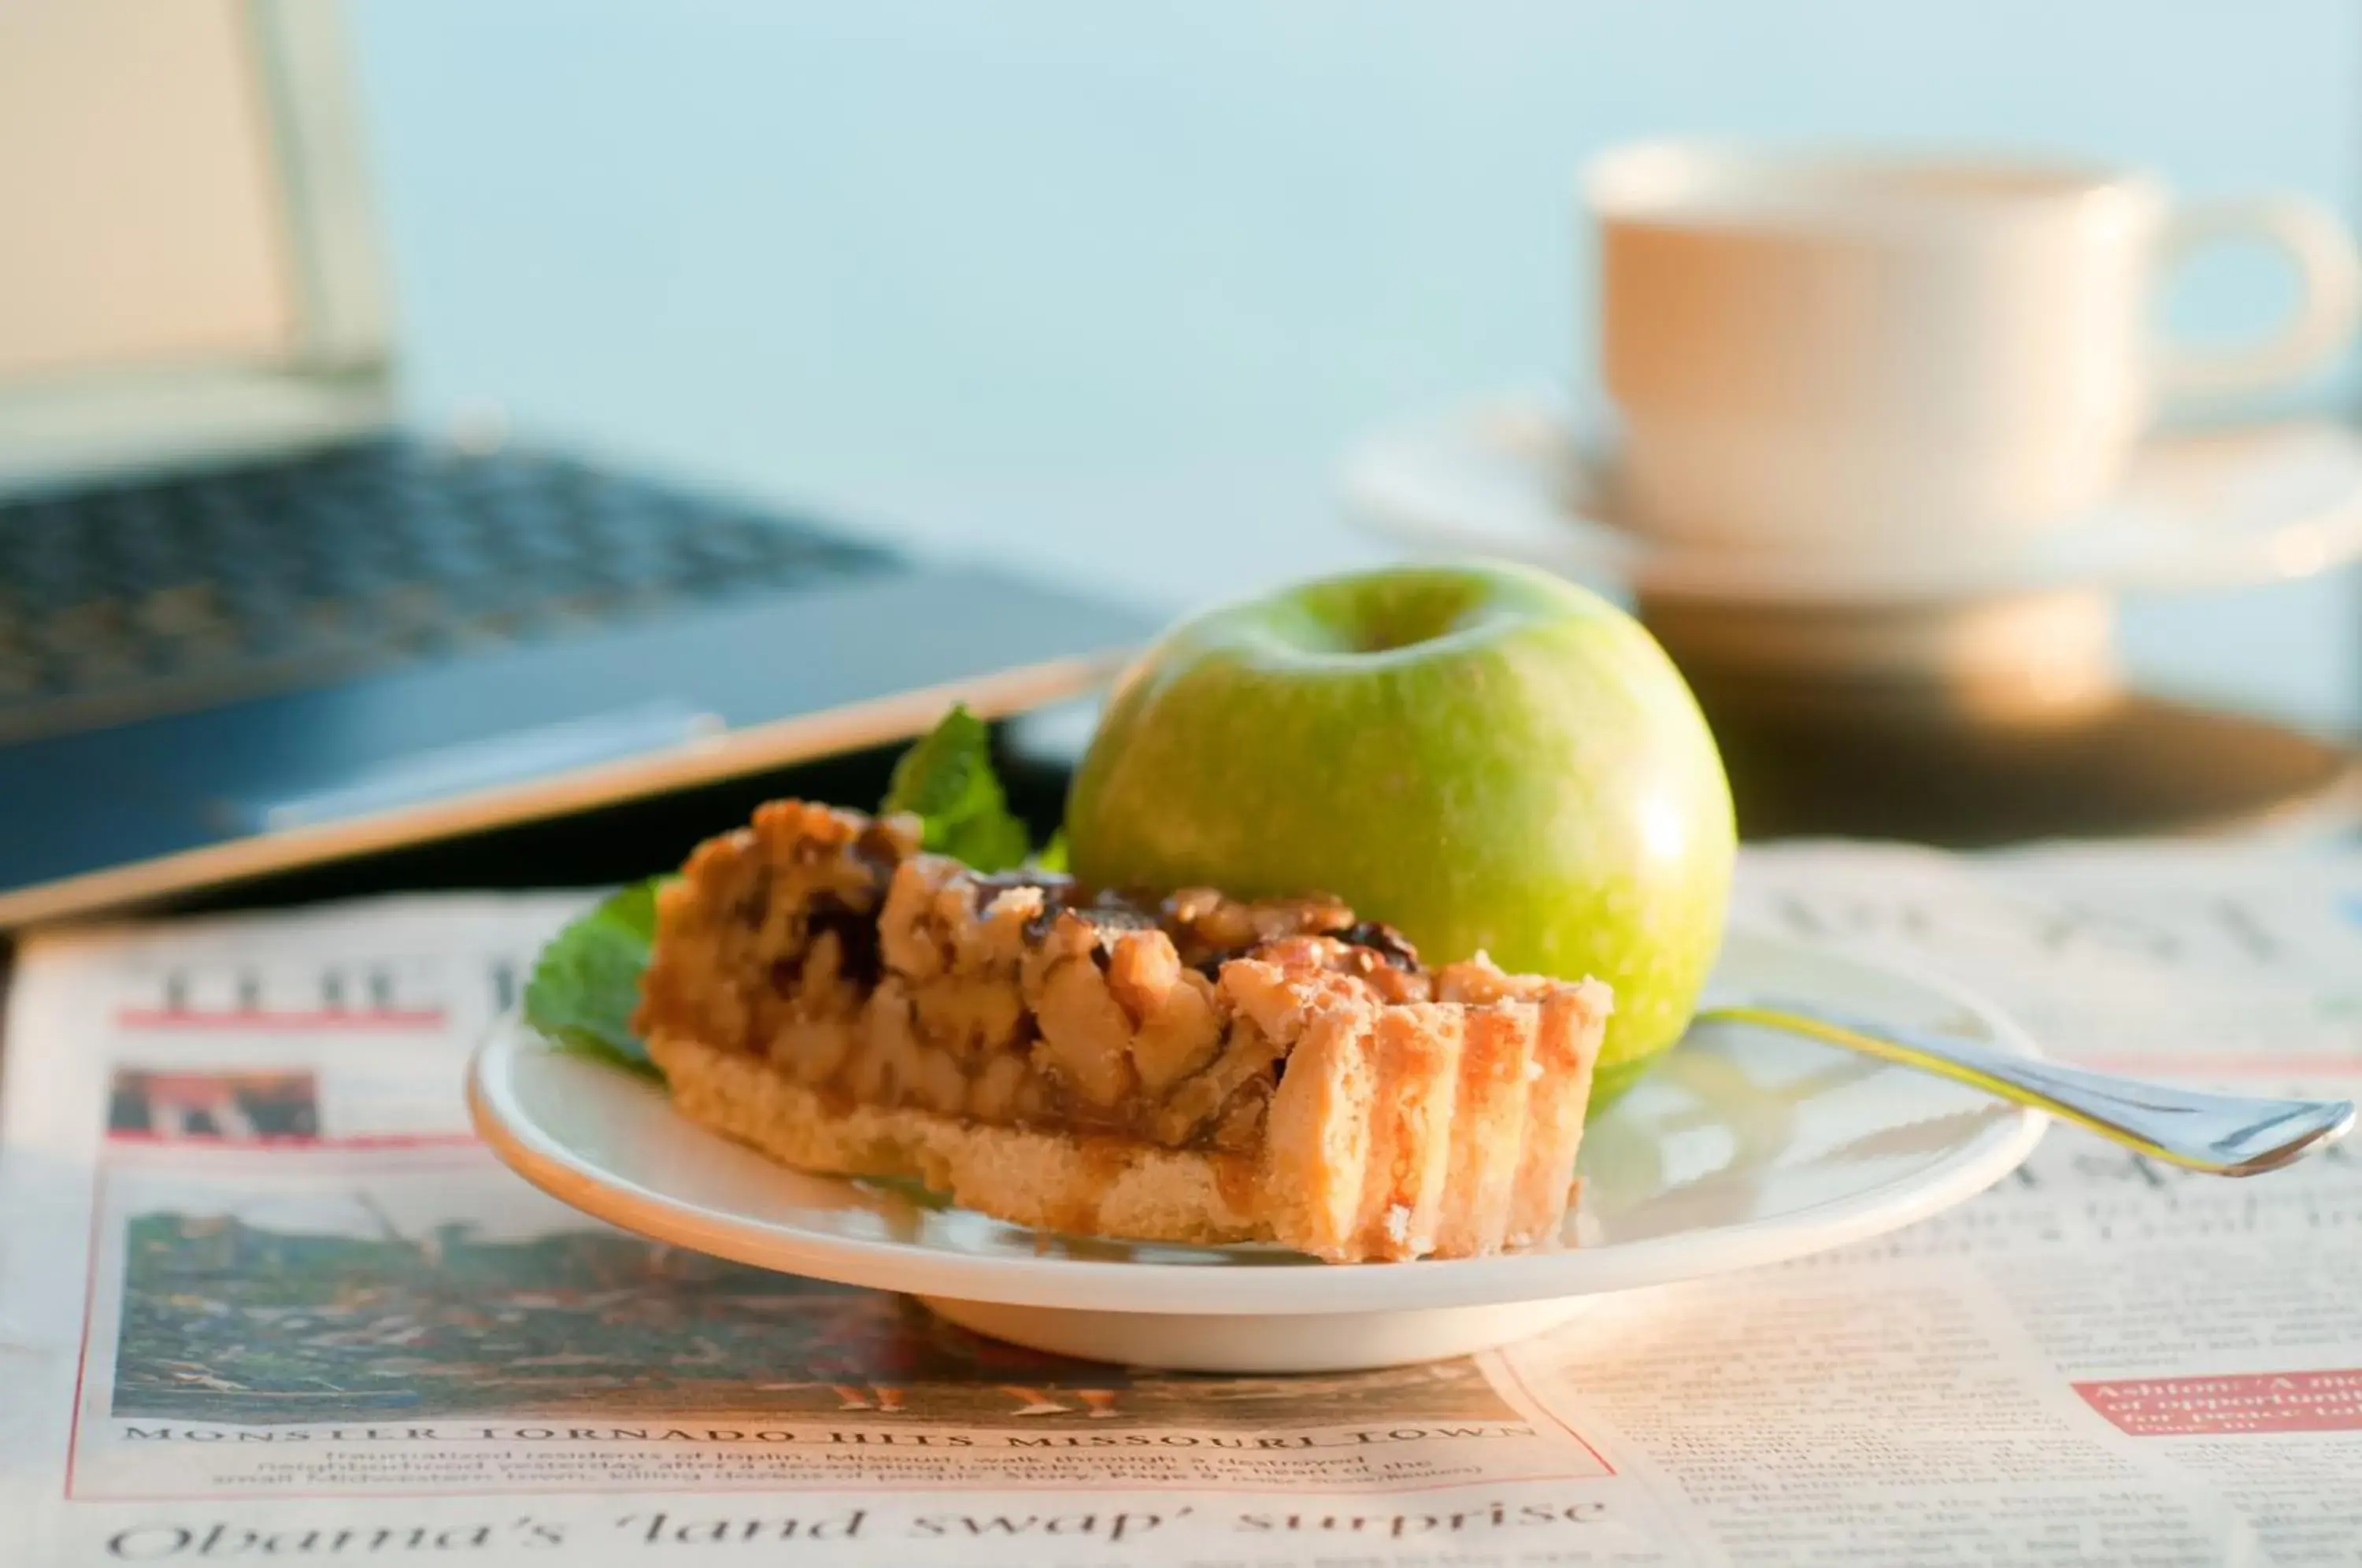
(136, 597)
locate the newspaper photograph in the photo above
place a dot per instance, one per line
(263, 1297)
(464, 1332)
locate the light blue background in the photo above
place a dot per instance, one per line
(1106, 289)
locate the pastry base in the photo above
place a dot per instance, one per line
(1082, 1185)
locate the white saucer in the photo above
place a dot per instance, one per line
(1741, 1148)
(2214, 509)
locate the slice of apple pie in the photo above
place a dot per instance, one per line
(1188, 1070)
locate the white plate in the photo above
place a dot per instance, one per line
(1741, 1148)
(2214, 509)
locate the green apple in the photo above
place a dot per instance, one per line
(1480, 755)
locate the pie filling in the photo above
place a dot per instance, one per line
(879, 976)
(827, 946)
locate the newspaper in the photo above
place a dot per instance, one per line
(264, 1298)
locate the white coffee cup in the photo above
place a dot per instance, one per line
(1814, 351)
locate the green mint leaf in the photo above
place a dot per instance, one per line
(1053, 855)
(587, 981)
(946, 782)
(988, 843)
(945, 773)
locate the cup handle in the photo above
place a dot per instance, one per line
(2329, 271)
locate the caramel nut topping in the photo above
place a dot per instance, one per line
(828, 942)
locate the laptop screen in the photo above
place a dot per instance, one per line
(146, 221)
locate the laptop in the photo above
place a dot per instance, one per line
(248, 622)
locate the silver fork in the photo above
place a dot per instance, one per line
(2221, 1134)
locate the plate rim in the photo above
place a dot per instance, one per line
(1125, 1285)
(1583, 540)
